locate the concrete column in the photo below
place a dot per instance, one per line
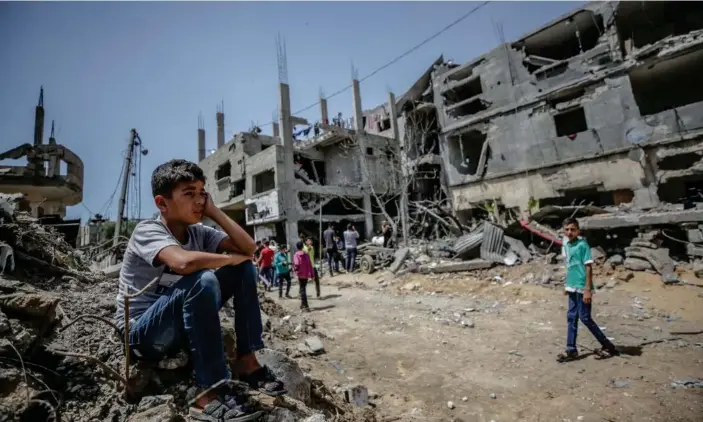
(220, 116)
(359, 127)
(286, 190)
(404, 179)
(323, 110)
(201, 145)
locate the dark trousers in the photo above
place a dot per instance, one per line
(187, 315)
(268, 274)
(317, 282)
(303, 282)
(283, 278)
(582, 311)
(332, 260)
(351, 259)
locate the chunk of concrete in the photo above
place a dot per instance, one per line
(148, 402)
(608, 221)
(519, 248)
(698, 269)
(615, 260)
(357, 395)
(597, 253)
(287, 371)
(626, 276)
(694, 235)
(315, 345)
(453, 267)
(316, 418)
(636, 264)
(659, 258)
(160, 413)
(280, 414)
(113, 271)
(398, 259)
(33, 306)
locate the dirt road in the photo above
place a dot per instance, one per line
(489, 347)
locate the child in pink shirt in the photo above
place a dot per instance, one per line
(303, 269)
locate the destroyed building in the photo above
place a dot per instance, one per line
(51, 180)
(603, 105)
(279, 186)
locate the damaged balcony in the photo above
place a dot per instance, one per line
(329, 135)
(669, 83)
(548, 50)
(644, 23)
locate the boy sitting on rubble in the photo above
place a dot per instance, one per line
(579, 288)
(194, 280)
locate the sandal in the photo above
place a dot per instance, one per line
(264, 381)
(605, 353)
(567, 356)
(223, 408)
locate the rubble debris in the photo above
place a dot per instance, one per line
(609, 221)
(399, 259)
(698, 269)
(7, 258)
(636, 264)
(659, 258)
(357, 395)
(615, 260)
(626, 276)
(315, 345)
(598, 254)
(687, 383)
(287, 371)
(452, 267)
(519, 248)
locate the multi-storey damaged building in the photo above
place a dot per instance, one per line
(603, 106)
(51, 180)
(280, 186)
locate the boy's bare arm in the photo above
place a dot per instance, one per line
(186, 262)
(589, 284)
(238, 240)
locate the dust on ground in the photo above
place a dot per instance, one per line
(487, 341)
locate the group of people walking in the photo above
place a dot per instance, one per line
(277, 268)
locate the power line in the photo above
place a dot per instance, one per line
(398, 58)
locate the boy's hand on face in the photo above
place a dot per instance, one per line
(587, 295)
(209, 206)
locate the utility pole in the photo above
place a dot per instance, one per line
(133, 139)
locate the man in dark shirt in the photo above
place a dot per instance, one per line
(387, 234)
(330, 248)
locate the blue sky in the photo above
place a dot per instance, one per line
(110, 67)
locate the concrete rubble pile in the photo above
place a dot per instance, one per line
(62, 359)
(637, 240)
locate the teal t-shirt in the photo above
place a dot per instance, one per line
(279, 263)
(578, 254)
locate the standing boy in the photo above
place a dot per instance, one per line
(303, 270)
(282, 270)
(185, 278)
(351, 238)
(330, 248)
(266, 264)
(310, 250)
(579, 288)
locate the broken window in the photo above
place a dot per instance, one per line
(465, 72)
(642, 23)
(238, 187)
(571, 122)
(465, 151)
(369, 151)
(668, 84)
(587, 196)
(686, 190)
(679, 162)
(565, 39)
(309, 171)
(468, 108)
(384, 124)
(264, 181)
(224, 170)
(467, 89)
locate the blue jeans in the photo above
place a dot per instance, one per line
(351, 259)
(579, 310)
(186, 315)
